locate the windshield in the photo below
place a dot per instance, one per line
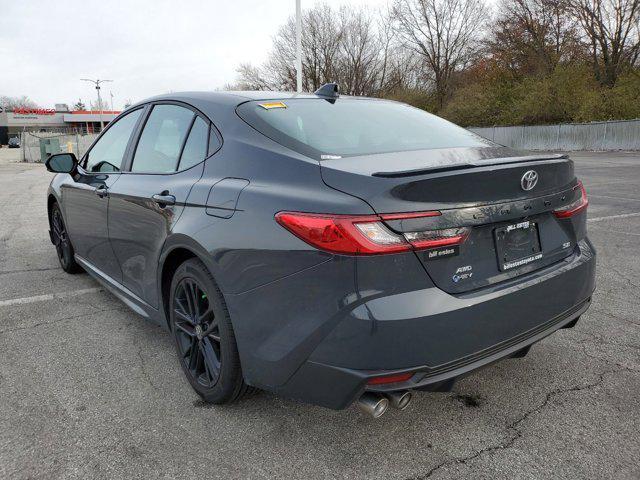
(348, 127)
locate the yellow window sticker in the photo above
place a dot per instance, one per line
(270, 105)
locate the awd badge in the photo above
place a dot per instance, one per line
(462, 273)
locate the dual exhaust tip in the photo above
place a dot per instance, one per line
(376, 404)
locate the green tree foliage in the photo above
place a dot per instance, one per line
(566, 94)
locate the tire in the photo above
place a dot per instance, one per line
(61, 241)
(203, 335)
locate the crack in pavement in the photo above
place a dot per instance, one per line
(593, 339)
(615, 316)
(514, 425)
(624, 277)
(586, 353)
(598, 340)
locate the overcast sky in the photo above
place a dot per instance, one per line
(146, 46)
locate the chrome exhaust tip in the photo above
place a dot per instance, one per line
(399, 400)
(373, 404)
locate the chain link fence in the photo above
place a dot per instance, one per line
(602, 136)
(54, 142)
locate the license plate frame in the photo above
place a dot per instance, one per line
(517, 244)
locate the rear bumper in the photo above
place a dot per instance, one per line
(336, 387)
(435, 335)
(428, 378)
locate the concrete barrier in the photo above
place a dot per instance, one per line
(613, 135)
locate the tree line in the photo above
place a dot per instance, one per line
(10, 103)
(520, 62)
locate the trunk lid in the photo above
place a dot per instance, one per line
(477, 188)
(444, 178)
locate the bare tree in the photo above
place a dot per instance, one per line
(321, 39)
(612, 30)
(354, 47)
(360, 61)
(445, 33)
(96, 106)
(534, 36)
(9, 103)
(249, 78)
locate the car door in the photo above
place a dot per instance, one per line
(150, 196)
(85, 201)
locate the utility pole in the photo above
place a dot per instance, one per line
(97, 83)
(111, 95)
(298, 47)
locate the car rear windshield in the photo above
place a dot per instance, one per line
(325, 129)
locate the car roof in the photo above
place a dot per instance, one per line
(269, 94)
(220, 106)
(237, 96)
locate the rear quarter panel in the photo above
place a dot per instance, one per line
(249, 248)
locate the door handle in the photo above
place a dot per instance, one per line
(164, 199)
(101, 191)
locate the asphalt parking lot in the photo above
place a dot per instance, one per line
(89, 390)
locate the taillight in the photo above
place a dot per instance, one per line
(574, 207)
(361, 235)
(365, 234)
(437, 238)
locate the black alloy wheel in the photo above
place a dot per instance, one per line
(197, 332)
(61, 241)
(204, 336)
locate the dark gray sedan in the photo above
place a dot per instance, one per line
(328, 248)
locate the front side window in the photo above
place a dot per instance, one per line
(162, 138)
(106, 155)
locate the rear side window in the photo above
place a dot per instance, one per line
(162, 138)
(351, 127)
(195, 150)
(106, 155)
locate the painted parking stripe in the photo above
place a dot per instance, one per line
(610, 217)
(47, 297)
(619, 232)
(591, 195)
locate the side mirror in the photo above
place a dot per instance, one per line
(62, 163)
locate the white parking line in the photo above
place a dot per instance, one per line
(614, 198)
(620, 232)
(48, 296)
(609, 217)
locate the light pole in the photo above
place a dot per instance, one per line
(97, 83)
(298, 47)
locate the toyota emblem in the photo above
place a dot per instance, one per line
(529, 180)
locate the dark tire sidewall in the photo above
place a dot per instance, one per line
(227, 383)
(68, 264)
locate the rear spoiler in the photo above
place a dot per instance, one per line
(470, 164)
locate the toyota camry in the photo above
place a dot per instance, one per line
(328, 248)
